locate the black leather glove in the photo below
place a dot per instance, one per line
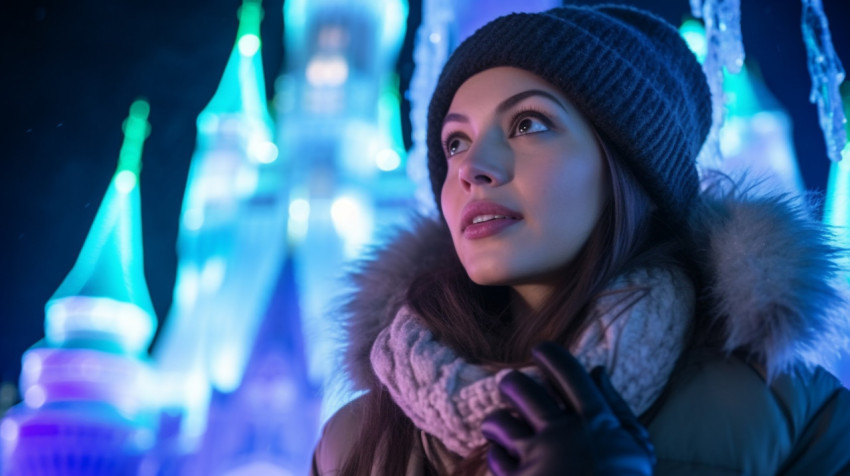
(582, 427)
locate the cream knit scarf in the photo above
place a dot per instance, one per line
(448, 398)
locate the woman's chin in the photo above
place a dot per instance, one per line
(488, 277)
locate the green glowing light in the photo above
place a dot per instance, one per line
(136, 130)
(694, 34)
(746, 94)
(248, 35)
(242, 86)
(389, 119)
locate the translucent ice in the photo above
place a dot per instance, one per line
(723, 30)
(722, 19)
(827, 74)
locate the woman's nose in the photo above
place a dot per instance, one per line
(486, 163)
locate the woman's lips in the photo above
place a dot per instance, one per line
(482, 219)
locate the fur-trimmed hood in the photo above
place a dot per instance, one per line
(772, 279)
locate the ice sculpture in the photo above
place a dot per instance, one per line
(269, 425)
(231, 241)
(827, 74)
(339, 128)
(722, 19)
(88, 406)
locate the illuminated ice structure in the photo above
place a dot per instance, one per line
(87, 406)
(836, 213)
(339, 127)
(235, 398)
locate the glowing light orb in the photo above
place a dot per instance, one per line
(193, 219)
(32, 367)
(327, 71)
(9, 430)
(35, 396)
(249, 45)
(125, 181)
(387, 160)
(299, 209)
(345, 212)
(263, 151)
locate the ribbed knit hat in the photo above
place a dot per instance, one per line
(628, 71)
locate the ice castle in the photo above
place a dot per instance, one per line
(278, 197)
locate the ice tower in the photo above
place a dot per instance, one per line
(87, 406)
(231, 242)
(339, 127)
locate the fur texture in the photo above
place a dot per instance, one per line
(770, 271)
(773, 277)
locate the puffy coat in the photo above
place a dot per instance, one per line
(753, 402)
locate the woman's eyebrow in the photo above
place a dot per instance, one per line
(509, 103)
(518, 97)
(455, 117)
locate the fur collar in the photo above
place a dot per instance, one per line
(770, 270)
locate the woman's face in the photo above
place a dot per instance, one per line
(526, 180)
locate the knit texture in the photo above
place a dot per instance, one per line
(628, 71)
(636, 336)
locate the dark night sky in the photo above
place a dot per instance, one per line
(69, 71)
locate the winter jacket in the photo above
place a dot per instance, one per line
(749, 399)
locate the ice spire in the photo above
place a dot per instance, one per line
(87, 406)
(231, 241)
(242, 87)
(724, 47)
(104, 301)
(827, 74)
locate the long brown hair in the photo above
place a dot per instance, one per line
(476, 323)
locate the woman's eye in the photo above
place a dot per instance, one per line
(529, 125)
(455, 144)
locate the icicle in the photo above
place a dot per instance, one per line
(723, 30)
(722, 19)
(827, 74)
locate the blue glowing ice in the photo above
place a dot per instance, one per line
(88, 407)
(827, 74)
(724, 47)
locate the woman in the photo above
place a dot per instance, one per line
(562, 152)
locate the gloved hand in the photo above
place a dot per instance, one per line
(583, 427)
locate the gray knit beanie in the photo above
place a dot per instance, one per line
(628, 71)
